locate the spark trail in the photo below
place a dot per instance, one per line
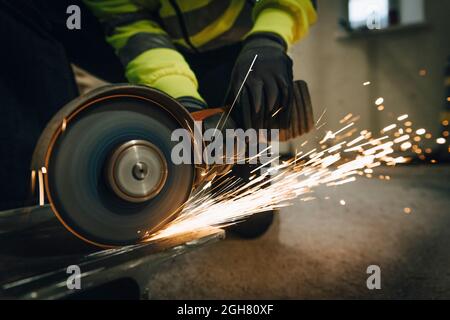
(337, 158)
(331, 163)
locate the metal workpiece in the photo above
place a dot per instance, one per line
(35, 259)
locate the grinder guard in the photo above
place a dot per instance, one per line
(73, 161)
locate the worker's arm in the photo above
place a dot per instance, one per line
(144, 48)
(290, 19)
(267, 97)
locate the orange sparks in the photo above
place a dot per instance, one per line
(340, 162)
(405, 146)
(346, 118)
(41, 188)
(379, 101)
(420, 131)
(389, 128)
(64, 125)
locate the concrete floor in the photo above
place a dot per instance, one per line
(321, 249)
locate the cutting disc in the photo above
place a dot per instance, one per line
(110, 178)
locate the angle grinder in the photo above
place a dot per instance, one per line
(104, 161)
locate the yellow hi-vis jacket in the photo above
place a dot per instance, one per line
(143, 33)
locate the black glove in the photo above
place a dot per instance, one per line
(192, 104)
(269, 86)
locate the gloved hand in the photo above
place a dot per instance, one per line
(269, 86)
(192, 104)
